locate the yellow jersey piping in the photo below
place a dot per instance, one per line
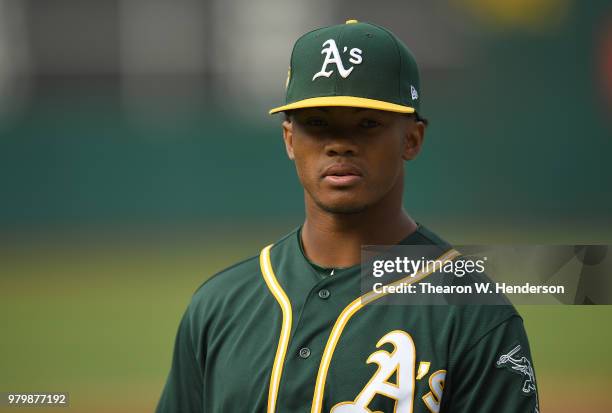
(283, 342)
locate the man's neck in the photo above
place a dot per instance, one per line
(335, 240)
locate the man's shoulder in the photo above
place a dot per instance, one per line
(237, 277)
(476, 314)
(231, 276)
(425, 236)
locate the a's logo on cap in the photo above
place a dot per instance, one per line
(332, 55)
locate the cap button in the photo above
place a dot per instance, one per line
(352, 21)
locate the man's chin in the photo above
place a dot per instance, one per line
(344, 208)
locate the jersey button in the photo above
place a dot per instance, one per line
(304, 352)
(324, 294)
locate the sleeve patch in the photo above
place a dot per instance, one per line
(514, 361)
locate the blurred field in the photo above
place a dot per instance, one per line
(96, 316)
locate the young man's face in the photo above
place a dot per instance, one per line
(350, 158)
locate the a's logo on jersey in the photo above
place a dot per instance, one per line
(333, 56)
(521, 365)
(401, 362)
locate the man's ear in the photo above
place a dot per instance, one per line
(413, 139)
(288, 138)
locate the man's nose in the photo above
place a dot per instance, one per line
(341, 147)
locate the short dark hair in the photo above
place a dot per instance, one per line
(414, 115)
(419, 118)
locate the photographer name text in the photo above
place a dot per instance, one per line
(476, 288)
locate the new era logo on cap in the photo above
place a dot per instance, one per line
(353, 64)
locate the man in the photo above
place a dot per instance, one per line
(290, 330)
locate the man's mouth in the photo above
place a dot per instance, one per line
(342, 174)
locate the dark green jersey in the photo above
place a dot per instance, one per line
(276, 333)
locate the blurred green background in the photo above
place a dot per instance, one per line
(137, 159)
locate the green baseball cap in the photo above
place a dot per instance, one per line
(354, 64)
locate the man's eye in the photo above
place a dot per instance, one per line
(369, 123)
(316, 122)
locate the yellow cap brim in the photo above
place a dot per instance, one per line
(350, 101)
